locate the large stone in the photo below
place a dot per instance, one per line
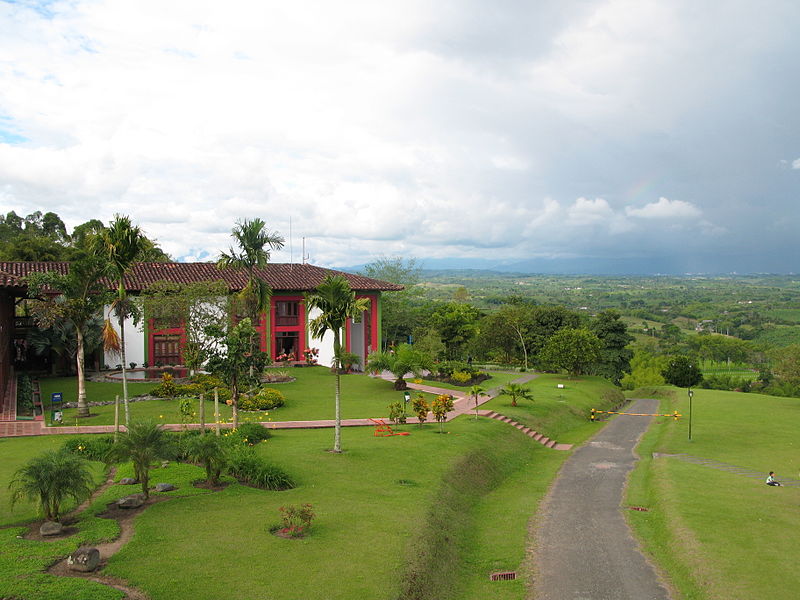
(165, 487)
(51, 528)
(127, 481)
(132, 501)
(84, 559)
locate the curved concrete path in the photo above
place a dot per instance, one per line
(584, 548)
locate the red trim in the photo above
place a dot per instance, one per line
(370, 345)
(152, 332)
(300, 328)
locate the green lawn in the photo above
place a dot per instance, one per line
(720, 535)
(497, 379)
(379, 506)
(560, 414)
(310, 397)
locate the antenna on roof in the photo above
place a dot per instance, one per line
(291, 251)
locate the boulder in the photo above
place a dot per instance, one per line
(127, 481)
(132, 501)
(51, 528)
(165, 487)
(84, 559)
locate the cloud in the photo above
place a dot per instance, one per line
(665, 209)
(422, 129)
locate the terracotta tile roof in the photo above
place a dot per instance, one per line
(279, 276)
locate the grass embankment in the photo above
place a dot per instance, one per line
(308, 398)
(717, 534)
(378, 505)
(559, 413)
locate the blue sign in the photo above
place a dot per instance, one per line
(55, 397)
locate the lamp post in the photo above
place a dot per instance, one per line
(691, 393)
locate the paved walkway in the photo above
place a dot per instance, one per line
(585, 549)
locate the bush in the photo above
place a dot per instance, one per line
(245, 465)
(191, 390)
(167, 388)
(461, 377)
(252, 433)
(92, 447)
(296, 519)
(24, 395)
(276, 376)
(265, 399)
(397, 413)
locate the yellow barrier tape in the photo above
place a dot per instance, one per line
(676, 415)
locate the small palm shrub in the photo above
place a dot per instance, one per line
(208, 451)
(265, 399)
(51, 478)
(143, 443)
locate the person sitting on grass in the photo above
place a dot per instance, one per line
(771, 479)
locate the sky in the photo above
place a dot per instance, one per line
(635, 135)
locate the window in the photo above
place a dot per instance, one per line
(286, 314)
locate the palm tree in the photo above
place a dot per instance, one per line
(405, 359)
(143, 443)
(336, 303)
(515, 391)
(121, 244)
(254, 241)
(208, 451)
(50, 478)
(474, 392)
(80, 296)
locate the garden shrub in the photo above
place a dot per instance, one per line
(296, 520)
(420, 407)
(461, 377)
(252, 433)
(246, 466)
(265, 399)
(24, 395)
(167, 388)
(92, 447)
(276, 376)
(190, 390)
(397, 413)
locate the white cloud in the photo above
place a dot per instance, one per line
(796, 163)
(665, 209)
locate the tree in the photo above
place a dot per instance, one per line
(61, 340)
(646, 370)
(80, 297)
(457, 324)
(786, 363)
(614, 357)
(143, 443)
(336, 303)
(233, 361)
(254, 243)
(441, 405)
(121, 244)
(474, 392)
(51, 478)
(545, 321)
(682, 371)
(404, 359)
(401, 311)
(516, 391)
(505, 332)
(573, 350)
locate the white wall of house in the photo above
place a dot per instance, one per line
(325, 344)
(134, 341)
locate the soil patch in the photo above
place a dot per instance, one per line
(204, 485)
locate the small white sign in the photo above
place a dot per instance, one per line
(561, 386)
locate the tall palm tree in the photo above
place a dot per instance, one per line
(516, 392)
(121, 244)
(143, 443)
(51, 478)
(255, 242)
(80, 296)
(336, 302)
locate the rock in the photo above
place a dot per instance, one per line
(127, 481)
(51, 528)
(165, 487)
(132, 501)
(84, 559)
(164, 464)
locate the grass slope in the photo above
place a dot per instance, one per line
(720, 535)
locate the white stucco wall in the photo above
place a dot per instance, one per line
(325, 344)
(134, 342)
